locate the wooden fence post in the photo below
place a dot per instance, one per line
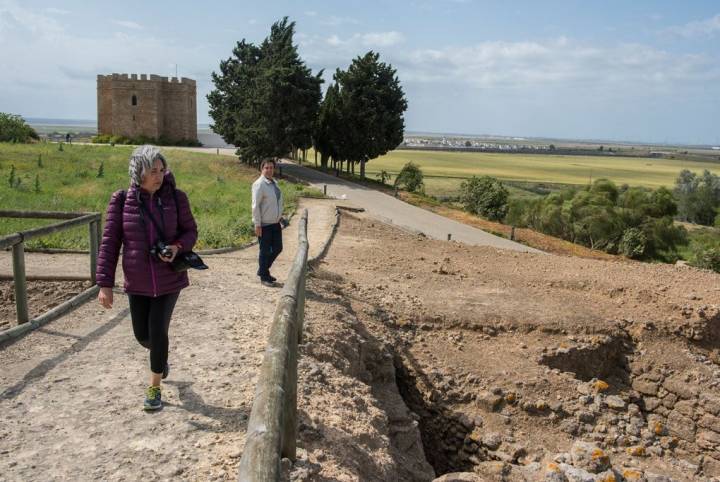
(20, 283)
(94, 243)
(289, 428)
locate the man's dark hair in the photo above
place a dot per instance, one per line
(268, 161)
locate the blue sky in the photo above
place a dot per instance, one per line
(640, 70)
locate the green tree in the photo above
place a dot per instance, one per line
(698, 197)
(372, 104)
(410, 176)
(485, 196)
(14, 129)
(328, 135)
(266, 99)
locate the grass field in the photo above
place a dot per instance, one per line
(444, 171)
(218, 187)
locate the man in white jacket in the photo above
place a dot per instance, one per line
(267, 208)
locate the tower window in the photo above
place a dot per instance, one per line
(134, 100)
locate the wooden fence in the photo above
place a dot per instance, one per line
(272, 428)
(17, 241)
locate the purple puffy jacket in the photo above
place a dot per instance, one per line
(144, 273)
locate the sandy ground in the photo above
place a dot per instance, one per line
(71, 393)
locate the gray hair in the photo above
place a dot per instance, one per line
(142, 160)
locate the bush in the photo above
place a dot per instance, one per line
(485, 196)
(708, 258)
(633, 243)
(140, 140)
(14, 129)
(411, 177)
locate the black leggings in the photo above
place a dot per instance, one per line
(151, 321)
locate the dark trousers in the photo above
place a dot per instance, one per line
(151, 322)
(270, 247)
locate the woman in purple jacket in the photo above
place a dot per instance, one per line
(139, 220)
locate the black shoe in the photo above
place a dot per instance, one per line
(272, 278)
(267, 282)
(166, 371)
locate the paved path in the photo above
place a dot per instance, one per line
(401, 213)
(391, 210)
(71, 393)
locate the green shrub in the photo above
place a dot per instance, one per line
(410, 177)
(139, 140)
(485, 196)
(633, 243)
(14, 129)
(707, 258)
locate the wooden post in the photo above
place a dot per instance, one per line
(301, 304)
(325, 189)
(512, 233)
(94, 243)
(449, 236)
(20, 285)
(289, 428)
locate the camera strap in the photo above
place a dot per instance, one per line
(145, 210)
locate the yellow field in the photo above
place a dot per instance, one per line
(444, 171)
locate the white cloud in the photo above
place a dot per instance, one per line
(382, 39)
(335, 21)
(698, 28)
(128, 24)
(56, 11)
(558, 62)
(43, 74)
(356, 41)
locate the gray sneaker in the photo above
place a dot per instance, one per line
(153, 399)
(267, 282)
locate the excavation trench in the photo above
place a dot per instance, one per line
(552, 390)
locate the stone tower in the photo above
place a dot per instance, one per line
(151, 106)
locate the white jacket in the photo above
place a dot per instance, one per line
(266, 208)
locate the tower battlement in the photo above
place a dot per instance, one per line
(148, 105)
(146, 78)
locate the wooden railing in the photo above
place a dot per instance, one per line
(272, 428)
(17, 242)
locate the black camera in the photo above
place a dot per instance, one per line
(161, 250)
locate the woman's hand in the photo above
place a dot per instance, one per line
(258, 231)
(174, 248)
(105, 297)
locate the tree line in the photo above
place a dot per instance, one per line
(268, 103)
(636, 222)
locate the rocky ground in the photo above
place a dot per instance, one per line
(425, 358)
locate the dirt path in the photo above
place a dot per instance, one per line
(71, 393)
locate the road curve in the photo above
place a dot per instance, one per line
(399, 212)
